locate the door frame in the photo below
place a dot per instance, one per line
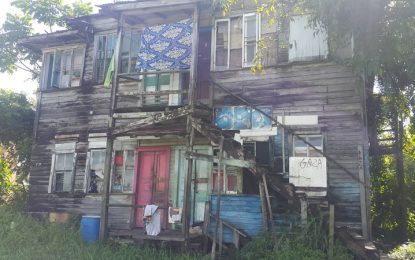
(139, 150)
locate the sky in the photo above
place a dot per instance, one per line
(20, 81)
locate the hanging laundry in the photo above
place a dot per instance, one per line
(166, 47)
(151, 220)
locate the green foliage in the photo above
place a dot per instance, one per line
(19, 25)
(16, 117)
(309, 242)
(25, 238)
(404, 252)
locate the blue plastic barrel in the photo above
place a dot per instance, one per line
(90, 228)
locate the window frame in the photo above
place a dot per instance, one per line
(308, 147)
(95, 67)
(88, 168)
(215, 68)
(258, 31)
(131, 56)
(52, 177)
(257, 37)
(113, 172)
(45, 65)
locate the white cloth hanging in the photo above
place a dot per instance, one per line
(152, 220)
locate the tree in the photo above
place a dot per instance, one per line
(20, 24)
(17, 117)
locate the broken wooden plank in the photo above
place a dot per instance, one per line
(153, 119)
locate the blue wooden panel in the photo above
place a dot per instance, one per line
(244, 212)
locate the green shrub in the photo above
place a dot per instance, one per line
(307, 243)
(404, 252)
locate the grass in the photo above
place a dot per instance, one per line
(22, 237)
(404, 252)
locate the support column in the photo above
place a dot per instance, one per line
(103, 229)
(190, 129)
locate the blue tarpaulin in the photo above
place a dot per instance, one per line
(166, 47)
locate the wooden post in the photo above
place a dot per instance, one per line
(270, 218)
(331, 232)
(263, 206)
(103, 229)
(190, 129)
(206, 227)
(363, 206)
(218, 198)
(304, 206)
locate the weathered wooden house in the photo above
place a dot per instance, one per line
(186, 123)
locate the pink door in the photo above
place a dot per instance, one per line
(152, 181)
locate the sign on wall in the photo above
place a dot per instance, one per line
(242, 117)
(308, 172)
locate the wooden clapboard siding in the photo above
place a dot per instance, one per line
(80, 111)
(324, 89)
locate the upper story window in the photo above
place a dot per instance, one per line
(105, 48)
(306, 42)
(302, 149)
(129, 51)
(235, 41)
(63, 68)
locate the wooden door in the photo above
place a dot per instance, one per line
(200, 181)
(152, 181)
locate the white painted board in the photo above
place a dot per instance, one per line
(308, 172)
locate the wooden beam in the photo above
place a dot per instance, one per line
(103, 229)
(363, 205)
(153, 119)
(225, 161)
(231, 147)
(331, 232)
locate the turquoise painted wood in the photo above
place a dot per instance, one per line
(200, 181)
(243, 211)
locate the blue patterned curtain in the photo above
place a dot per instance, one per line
(166, 47)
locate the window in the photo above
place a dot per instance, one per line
(62, 172)
(129, 51)
(105, 46)
(301, 149)
(122, 180)
(235, 41)
(162, 83)
(251, 37)
(306, 42)
(96, 166)
(63, 68)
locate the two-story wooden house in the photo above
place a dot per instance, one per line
(184, 121)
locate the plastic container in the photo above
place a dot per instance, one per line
(90, 228)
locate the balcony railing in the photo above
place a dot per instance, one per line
(155, 89)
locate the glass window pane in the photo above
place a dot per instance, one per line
(78, 58)
(56, 70)
(300, 148)
(48, 69)
(222, 44)
(250, 37)
(59, 181)
(236, 43)
(118, 172)
(66, 64)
